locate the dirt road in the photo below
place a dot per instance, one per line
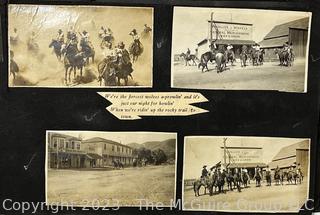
(109, 188)
(269, 76)
(265, 198)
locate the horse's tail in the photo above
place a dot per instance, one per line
(202, 61)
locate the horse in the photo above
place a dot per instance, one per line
(230, 181)
(243, 58)
(73, 60)
(284, 57)
(120, 165)
(218, 182)
(258, 178)
(237, 180)
(205, 58)
(107, 42)
(229, 55)
(268, 178)
(206, 182)
(290, 177)
(14, 68)
(113, 71)
(188, 58)
(278, 177)
(297, 177)
(135, 50)
(257, 57)
(220, 61)
(146, 33)
(245, 179)
(115, 164)
(56, 48)
(88, 52)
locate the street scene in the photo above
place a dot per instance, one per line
(110, 169)
(80, 46)
(245, 174)
(235, 49)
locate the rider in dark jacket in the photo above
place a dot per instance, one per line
(204, 172)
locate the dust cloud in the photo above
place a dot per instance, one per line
(43, 69)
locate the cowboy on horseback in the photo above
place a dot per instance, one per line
(60, 36)
(188, 53)
(230, 54)
(71, 34)
(106, 37)
(147, 29)
(204, 173)
(84, 41)
(213, 47)
(136, 47)
(14, 37)
(136, 38)
(122, 53)
(256, 47)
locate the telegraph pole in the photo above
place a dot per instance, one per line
(211, 25)
(225, 151)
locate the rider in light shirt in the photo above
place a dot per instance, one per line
(229, 47)
(60, 36)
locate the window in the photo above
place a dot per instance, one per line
(78, 146)
(105, 146)
(54, 142)
(112, 148)
(72, 144)
(61, 143)
(118, 149)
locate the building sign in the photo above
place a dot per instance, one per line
(242, 155)
(231, 31)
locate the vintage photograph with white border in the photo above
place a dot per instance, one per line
(110, 169)
(245, 174)
(63, 46)
(237, 49)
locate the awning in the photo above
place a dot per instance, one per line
(246, 165)
(274, 42)
(284, 163)
(226, 42)
(94, 156)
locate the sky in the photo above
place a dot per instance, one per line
(190, 25)
(201, 151)
(123, 137)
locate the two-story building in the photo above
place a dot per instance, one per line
(65, 151)
(109, 151)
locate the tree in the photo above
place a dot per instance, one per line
(159, 157)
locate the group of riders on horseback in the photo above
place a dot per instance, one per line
(76, 49)
(238, 178)
(221, 55)
(117, 62)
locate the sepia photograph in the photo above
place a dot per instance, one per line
(240, 49)
(245, 174)
(110, 169)
(80, 46)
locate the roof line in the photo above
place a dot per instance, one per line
(292, 156)
(105, 140)
(236, 23)
(239, 147)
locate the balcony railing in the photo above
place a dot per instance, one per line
(114, 153)
(67, 150)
